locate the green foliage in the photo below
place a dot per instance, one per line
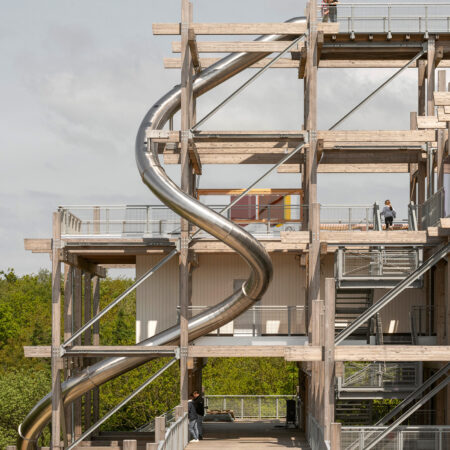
(20, 389)
(25, 319)
(250, 376)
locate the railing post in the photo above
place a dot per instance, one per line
(336, 436)
(129, 444)
(277, 407)
(259, 407)
(160, 428)
(242, 407)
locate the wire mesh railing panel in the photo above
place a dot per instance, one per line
(263, 321)
(423, 320)
(432, 210)
(125, 220)
(384, 17)
(381, 376)
(347, 218)
(379, 263)
(426, 437)
(250, 406)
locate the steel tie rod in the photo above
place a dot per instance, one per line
(378, 89)
(137, 283)
(170, 255)
(408, 413)
(248, 82)
(122, 403)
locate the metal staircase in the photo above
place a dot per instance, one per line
(350, 304)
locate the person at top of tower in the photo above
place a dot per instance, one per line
(329, 10)
(389, 214)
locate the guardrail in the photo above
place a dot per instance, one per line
(404, 437)
(432, 210)
(376, 264)
(250, 406)
(315, 435)
(422, 321)
(158, 221)
(405, 17)
(390, 377)
(177, 436)
(263, 321)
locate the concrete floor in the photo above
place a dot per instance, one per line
(249, 435)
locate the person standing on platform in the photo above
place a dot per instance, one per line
(329, 10)
(200, 409)
(389, 214)
(192, 416)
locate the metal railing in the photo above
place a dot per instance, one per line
(169, 417)
(422, 321)
(365, 377)
(432, 210)
(177, 436)
(250, 406)
(376, 263)
(388, 17)
(158, 221)
(404, 437)
(263, 321)
(315, 435)
(347, 217)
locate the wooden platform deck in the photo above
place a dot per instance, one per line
(250, 435)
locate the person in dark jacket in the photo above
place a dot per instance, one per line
(192, 416)
(200, 409)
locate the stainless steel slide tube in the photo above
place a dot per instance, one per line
(168, 192)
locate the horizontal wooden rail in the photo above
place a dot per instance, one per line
(290, 353)
(293, 29)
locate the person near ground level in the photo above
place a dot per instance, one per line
(389, 214)
(192, 416)
(329, 10)
(200, 409)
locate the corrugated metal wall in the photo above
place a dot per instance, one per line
(212, 281)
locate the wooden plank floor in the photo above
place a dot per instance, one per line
(249, 435)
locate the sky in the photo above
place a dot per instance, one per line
(78, 76)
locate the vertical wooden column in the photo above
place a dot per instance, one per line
(421, 110)
(68, 331)
(413, 168)
(311, 157)
(431, 77)
(329, 372)
(56, 332)
(87, 341)
(314, 407)
(186, 186)
(442, 86)
(77, 308)
(96, 341)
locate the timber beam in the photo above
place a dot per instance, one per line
(285, 28)
(83, 264)
(290, 353)
(288, 63)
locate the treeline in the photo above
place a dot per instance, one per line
(25, 319)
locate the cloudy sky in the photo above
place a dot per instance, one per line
(77, 77)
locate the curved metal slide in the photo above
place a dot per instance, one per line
(187, 207)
